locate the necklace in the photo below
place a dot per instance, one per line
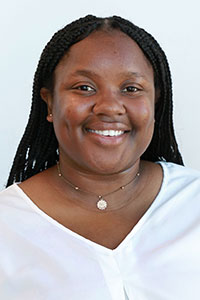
(101, 204)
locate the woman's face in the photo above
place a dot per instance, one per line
(103, 103)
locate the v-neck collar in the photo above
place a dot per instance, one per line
(95, 245)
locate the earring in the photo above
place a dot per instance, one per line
(49, 118)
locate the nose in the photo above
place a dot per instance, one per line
(108, 103)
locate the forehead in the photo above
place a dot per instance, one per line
(106, 51)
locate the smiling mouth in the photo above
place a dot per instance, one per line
(108, 133)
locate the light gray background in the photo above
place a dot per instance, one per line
(26, 26)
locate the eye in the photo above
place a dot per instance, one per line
(130, 89)
(84, 87)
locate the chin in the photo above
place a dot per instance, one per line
(108, 168)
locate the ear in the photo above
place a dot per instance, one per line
(46, 95)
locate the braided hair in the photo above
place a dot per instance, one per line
(38, 149)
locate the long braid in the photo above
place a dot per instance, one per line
(37, 150)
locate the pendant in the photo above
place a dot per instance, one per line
(102, 204)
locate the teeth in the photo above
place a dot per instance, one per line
(107, 132)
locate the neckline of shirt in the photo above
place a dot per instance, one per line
(98, 247)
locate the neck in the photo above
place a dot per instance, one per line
(102, 191)
(107, 181)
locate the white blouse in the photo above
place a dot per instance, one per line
(159, 259)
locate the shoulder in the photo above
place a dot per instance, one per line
(10, 194)
(181, 182)
(12, 202)
(12, 210)
(178, 172)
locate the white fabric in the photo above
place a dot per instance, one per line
(159, 259)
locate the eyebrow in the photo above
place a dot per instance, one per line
(125, 74)
(134, 74)
(85, 73)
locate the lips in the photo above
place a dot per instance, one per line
(109, 132)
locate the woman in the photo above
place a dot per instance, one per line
(92, 209)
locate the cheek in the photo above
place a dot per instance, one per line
(66, 110)
(142, 114)
(147, 115)
(69, 115)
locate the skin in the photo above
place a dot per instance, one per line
(106, 105)
(100, 88)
